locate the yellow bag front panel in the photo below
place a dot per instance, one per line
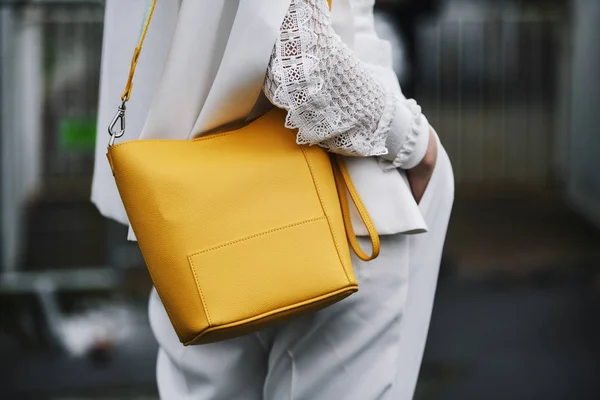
(237, 229)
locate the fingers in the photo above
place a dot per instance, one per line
(420, 175)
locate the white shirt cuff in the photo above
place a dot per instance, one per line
(408, 137)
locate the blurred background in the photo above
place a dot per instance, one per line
(513, 89)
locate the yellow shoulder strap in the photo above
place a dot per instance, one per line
(136, 53)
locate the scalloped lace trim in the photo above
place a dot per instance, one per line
(330, 96)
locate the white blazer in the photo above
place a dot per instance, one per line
(203, 66)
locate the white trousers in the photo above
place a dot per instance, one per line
(368, 346)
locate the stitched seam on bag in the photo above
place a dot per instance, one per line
(272, 313)
(335, 238)
(256, 235)
(190, 257)
(199, 290)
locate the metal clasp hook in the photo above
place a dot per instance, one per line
(118, 119)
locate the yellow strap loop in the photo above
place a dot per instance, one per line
(344, 183)
(136, 54)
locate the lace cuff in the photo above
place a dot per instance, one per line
(330, 96)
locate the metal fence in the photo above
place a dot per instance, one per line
(493, 83)
(71, 46)
(49, 91)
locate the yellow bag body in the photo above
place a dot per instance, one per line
(237, 229)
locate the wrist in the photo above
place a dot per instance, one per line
(427, 163)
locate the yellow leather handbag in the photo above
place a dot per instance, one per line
(238, 229)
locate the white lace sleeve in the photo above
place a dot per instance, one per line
(330, 96)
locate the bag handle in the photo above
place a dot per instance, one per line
(342, 177)
(344, 183)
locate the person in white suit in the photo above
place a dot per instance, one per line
(209, 63)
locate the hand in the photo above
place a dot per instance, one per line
(419, 176)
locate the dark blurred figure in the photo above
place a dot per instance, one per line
(407, 15)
